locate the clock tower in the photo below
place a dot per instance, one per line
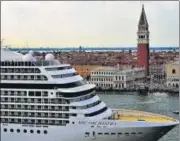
(143, 42)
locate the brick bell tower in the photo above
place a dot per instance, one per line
(143, 42)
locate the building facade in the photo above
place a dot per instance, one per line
(173, 74)
(114, 78)
(158, 72)
(143, 42)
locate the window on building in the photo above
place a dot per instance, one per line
(122, 85)
(177, 85)
(173, 71)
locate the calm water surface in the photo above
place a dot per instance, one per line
(161, 104)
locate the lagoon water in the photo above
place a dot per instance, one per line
(161, 104)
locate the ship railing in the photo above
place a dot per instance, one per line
(41, 62)
(122, 112)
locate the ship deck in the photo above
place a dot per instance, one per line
(132, 115)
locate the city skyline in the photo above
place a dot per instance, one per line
(75, 23)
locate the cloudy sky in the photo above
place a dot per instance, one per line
(75, 23)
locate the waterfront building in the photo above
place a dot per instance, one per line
(173, 74)
(143, 42)
(158, 73)
(117, 78)
(85, 70)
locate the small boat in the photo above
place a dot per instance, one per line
(176, 112)
(142, 89)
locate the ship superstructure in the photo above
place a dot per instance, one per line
(45, 100)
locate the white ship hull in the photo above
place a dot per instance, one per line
(77, 133)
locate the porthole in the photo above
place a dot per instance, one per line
(38, 131)
(18, 130)
(45, 131)
(11, 130)
(31, 131)
(5, 130)
(25, 131)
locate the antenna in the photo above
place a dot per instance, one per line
(26, 44)
(142, 4)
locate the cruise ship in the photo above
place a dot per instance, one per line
(44, 100)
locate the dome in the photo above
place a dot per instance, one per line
(31, 52)
(49, 57)
(28, 57)
(10, 55)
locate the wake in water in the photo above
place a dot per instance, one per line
(160, 94)
(139, 103)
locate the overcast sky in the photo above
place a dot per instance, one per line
(94, 23)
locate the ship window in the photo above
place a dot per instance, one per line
(96, 112)
(38, 93)
(126, 134)
(64, 75)
(67, 121)
(11, 130)
(31, 131)
(74, 115)
(43, 86)
(5, 130)
(31, 93)
(18, 130)
(99, 133)
(45, 131)
(133, 133)
(140, 133)
(25, 131)
(58, 68)
(113, 133)
(86, 134)
(38, 131)
(106, 133)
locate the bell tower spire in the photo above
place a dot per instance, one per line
(143, 41)
(143, 19)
